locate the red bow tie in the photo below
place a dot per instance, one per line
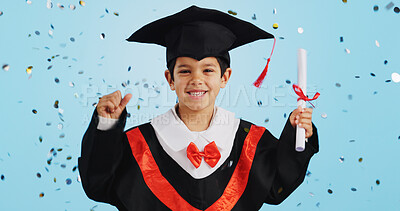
(211, 154)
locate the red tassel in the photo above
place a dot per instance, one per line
(260, 78)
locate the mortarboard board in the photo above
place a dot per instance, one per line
(198, 33)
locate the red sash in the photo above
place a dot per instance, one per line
(167, 194)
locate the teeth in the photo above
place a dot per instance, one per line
(196, 93)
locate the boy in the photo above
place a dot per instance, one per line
(197, 156)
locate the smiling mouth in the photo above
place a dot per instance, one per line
(196, 94)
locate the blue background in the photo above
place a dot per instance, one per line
(362, 116)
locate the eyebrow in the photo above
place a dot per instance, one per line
(207, 65)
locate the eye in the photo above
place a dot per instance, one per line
(184, 71)
(208, 70)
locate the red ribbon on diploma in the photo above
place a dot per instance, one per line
(302, 96)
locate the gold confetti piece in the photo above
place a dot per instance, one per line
(396, 77)
(360, 160)
(300, 30)
(116, 13)
(377, 43)
(34, 111)
(6, 67)
(344, 1)
(246, 130)
(69, 157)
(232, 12)
(275, 26)
(54, 180)
(280, 190)
(40, 139)
(138, 107)
(330, 191)
(378, 182)
(41, 195)
(102, 36)
(29, 70)
(82, 3)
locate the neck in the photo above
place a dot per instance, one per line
(195, 120)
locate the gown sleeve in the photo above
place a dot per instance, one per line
(101, 156)
(291, 166)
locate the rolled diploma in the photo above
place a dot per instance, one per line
(302, 83)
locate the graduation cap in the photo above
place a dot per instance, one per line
(199, 33)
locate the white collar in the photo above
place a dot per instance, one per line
(174, 137)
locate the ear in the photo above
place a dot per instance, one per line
(225, 77)
(167, 75)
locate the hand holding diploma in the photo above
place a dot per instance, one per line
(301, 117)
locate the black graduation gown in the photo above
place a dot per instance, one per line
(110, 173)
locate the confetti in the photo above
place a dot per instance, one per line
(377, 43)
(396, 77)
(6, 67)
(29, 70)
(40, 139)
(385, 62)
(129, 68)
(288, 82)
(56, 104)
(71, 84)
(60, 6)
(72, 39)
(275, 26)
(396, 10)
(62, 135)
(51, 33)
(373, 74)
(57, 80)
(106, 10)
(82, 3)
(68, 181)
(388, 81)
(259, 103)
(353, 189)
(341, 159)
(102, 36)
(1, 13)
(341, 39)
(28, 1)
(254, 17)
(116, 13)
(38, 175)
(2, 177)
(37, 33)
(63, 166)
(357, 76)
(274, 11)
(350, 97)
(72, 7)
(41, 195)
(378, 182)
(330, 191)
(49, 4)
(246, 130)
(344, 1)
(360, 160)
(324, 115)
(232, 12)
(266, 120)
(69, 157)
(60, 126)
(34, 111)
(389, 6)
(338, 85)
(376, 8)
(347, 50)
(300, 30)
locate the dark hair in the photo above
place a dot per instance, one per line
(222, 64)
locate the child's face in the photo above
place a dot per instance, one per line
(197, 83)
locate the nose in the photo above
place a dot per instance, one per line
(197, 78)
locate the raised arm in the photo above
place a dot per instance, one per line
(102, 150)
